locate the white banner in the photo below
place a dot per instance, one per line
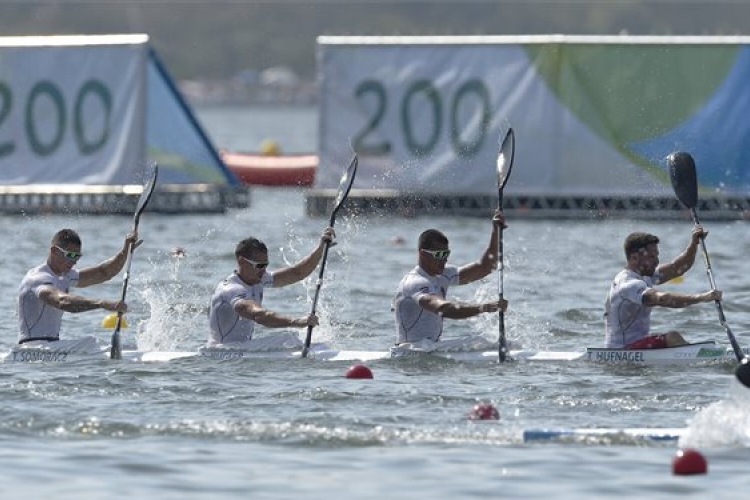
(72, 114)
(427, 117)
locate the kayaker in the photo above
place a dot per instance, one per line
(44, 294)
(632, 294)
(420, 303)
(236, 305)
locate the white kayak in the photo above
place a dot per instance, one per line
(47, 354)
(701, 352)
(288, 346)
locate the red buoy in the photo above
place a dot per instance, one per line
(358, 371)
(689, 461)
(484, 411)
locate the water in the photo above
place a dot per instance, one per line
(244, 129)
(284, 429)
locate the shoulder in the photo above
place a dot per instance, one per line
(628, 277)
(231, 282)
(40, 270)
(267, 279)
(450, 276)
(73, 275)
(450, 273)
(39, 276)
(629, 282)
(413, 278)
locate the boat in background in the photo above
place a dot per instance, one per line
(605, 435)
(272, 170)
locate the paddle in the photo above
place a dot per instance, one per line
(115, 351)
(344, 187)
(504, 165)
(685, 185)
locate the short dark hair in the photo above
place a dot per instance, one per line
(247, 247)
(637, 241)
(66, 237)
(431, 239)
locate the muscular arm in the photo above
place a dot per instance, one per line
(457, 310)
(653, 297)
(108, 269)
(252, 310)
(304, 267)
(479, 269)
(75, 303)
(683, 262)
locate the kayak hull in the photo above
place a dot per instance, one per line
(700, 353)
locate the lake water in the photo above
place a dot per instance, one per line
(300, 429)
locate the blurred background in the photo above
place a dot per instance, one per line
(257, 52)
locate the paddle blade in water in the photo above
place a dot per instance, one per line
(743, 372)
(505, 158)
(683, 177)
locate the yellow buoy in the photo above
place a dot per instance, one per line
(110, 321)
(269, 147)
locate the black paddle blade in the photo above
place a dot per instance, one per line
(148, 191)
(743, 372)
(505, 158)
(683, 177)
(115, 351)
(347, 180)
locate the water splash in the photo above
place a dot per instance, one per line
(725, 423)
(177, 312)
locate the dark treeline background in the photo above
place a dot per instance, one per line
(216, 39)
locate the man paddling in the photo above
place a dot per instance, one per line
(632, 294)
(44, 294)
(421, 304)
(236, 305)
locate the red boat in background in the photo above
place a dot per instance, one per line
(272, 170)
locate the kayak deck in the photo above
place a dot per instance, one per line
(704, 352)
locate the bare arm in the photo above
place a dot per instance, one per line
(108, 269)
(76, 303)
(458, 310)
(653, 297)
(303, 268)
(683, 262)
(252, 310)
(477, 270)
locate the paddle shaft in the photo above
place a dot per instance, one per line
(709, 272)
(344, 187)
(115, 351)
(319, 284)
(308, 338)
(502, 347)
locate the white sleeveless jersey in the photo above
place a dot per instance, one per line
(36, 318)
(413, 322)
(627, 319)
(226, 325)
